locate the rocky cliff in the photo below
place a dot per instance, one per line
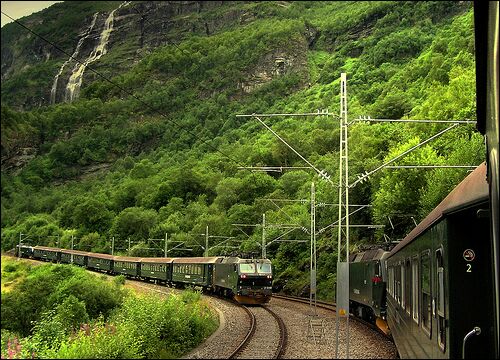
(112, 39)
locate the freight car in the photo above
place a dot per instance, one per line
(248, 281)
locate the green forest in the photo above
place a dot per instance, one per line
(156, 148)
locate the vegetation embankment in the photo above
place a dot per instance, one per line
(62, 311)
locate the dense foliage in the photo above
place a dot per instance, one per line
(65, 312)
(162, 154)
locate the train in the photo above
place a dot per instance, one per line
(432, 289)
(437, 291)
(248, 281)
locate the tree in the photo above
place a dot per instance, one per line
(92, 215)
(134, 222)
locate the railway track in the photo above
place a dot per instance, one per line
(333, 307)
(264, 338)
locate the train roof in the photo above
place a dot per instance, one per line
(74, 252)
(374, 254)
(198, 260)
(101, 256)
(48, 248)
(127, 258)
(473, 189)
(157, 260)
(237, 260)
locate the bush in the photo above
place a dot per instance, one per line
(66, 288)
(119, 280)
(165, 327)
(96, 340)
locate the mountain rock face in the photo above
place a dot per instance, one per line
(129, 31)
(109, 41)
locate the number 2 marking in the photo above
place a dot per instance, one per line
(469, 266)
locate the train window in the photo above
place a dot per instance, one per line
(440, 300)
(425, 262)
(247, 268)
(264, 268)
(397, 283)
(415, 287)
(403, 286)
(407, 286)
(391, 281)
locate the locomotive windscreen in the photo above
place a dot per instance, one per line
(264, 268)
(250, 268)
(247, 268)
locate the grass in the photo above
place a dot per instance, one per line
(13, 271)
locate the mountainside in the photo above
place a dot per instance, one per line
(119, 120)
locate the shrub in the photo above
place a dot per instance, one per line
(165, 327)
(119, 280)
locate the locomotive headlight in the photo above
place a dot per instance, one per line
(243, 276)
(269, 276)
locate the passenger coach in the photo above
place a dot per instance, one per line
(437, 304)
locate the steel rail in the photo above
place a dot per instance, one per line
(283, 334)
(251, 331)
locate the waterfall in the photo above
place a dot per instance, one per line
(84, 36)
(75, 80)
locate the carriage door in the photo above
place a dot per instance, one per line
(441, 323)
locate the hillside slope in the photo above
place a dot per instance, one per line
(151, 144)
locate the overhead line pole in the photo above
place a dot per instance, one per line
(166, 244)
(342, 292)
(312, 292)
(264, 254)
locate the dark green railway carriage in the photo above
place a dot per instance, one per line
(156, 269)
(46, 253)
(128, 266)
(194, 271)
(74, 257)
(103, 262)
(437, 275)
(366, 286)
